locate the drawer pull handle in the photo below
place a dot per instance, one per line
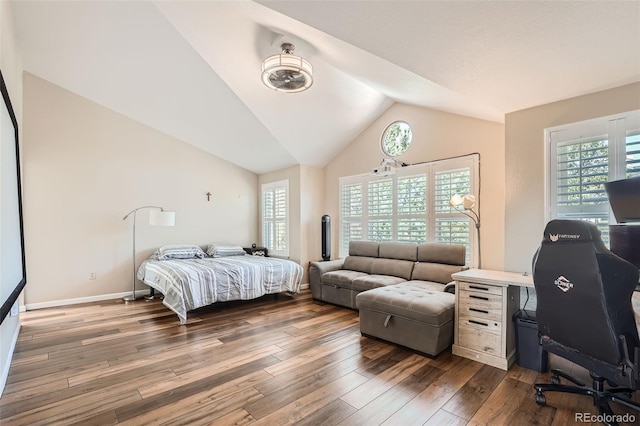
(478, 322)
(475, 287)
(479, 310)
(471, 296)
(386, 321)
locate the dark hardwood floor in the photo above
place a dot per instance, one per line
(273, 361)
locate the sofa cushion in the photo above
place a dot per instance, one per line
(341, 278)
(358, 263)
(394, 267)
(437, 272)
(414, 301)
(368, 282)
(427, 285)
(403, 251)
(453, 254)
(364, 248)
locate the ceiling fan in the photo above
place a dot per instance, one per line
(287, 72)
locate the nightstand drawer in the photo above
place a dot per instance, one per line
(482, 305)
(481, 324)
(479, 339)
(480, 288)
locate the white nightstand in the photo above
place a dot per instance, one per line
(485, 303)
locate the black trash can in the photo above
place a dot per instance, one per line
(529, 352)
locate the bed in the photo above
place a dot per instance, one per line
(191, 283)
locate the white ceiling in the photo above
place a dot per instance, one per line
(191, 69)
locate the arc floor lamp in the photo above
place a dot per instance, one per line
(157, 217)
(468, 202)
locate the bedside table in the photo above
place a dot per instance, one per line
(258, 251)
(485, 303)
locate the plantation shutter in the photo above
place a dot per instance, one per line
(275, 217)
(280, 210)
(452, 226)
(582, 157)
(632, 151)
(582, 168)
(580, 165)
(380, 207)
(409, 205)
(411, 210)
(351, 214)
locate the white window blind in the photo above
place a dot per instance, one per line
(275, 217)
(411, 210)
(351, 213)
(452, 226)
(632, 154)
(582, 157)
(380, 206)
(411, 205)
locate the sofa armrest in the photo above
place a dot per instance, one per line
(450, 287)
(327, 266)
(316, 269)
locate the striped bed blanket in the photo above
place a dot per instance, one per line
(189, 284)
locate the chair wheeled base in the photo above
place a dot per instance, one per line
(601, 396)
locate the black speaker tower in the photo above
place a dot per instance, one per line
(326, 237)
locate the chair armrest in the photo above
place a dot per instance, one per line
(316, 269)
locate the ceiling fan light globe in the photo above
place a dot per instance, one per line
(287, 73)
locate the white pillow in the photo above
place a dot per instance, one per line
(217, 250)
(180, 251)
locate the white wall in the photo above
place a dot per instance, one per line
(525, 163)
(311, 211)
(436, 135)
(11, 66)
(305, 206)
(86, 166)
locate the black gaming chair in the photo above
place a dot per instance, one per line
(585, 314)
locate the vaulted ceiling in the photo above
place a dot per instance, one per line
(191, 69)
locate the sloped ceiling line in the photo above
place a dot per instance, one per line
(192, 69)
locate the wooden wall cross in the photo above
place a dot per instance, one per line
(208, 194)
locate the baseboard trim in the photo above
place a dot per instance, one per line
(76, 301)
(5, 368)
(98, 298)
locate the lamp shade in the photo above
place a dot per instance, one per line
(162, 218)
(456, 200)
(467, 201)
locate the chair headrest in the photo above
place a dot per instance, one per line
(571, 231)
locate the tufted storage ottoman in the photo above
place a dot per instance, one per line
(418, 315)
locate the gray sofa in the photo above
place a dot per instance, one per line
(371, 264)
(400, 290)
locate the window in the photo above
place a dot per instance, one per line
(411, 205)
(452, 227)
(380, 206)
(275, 217)
(582, 157)
(396, 138)
(411, 219)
